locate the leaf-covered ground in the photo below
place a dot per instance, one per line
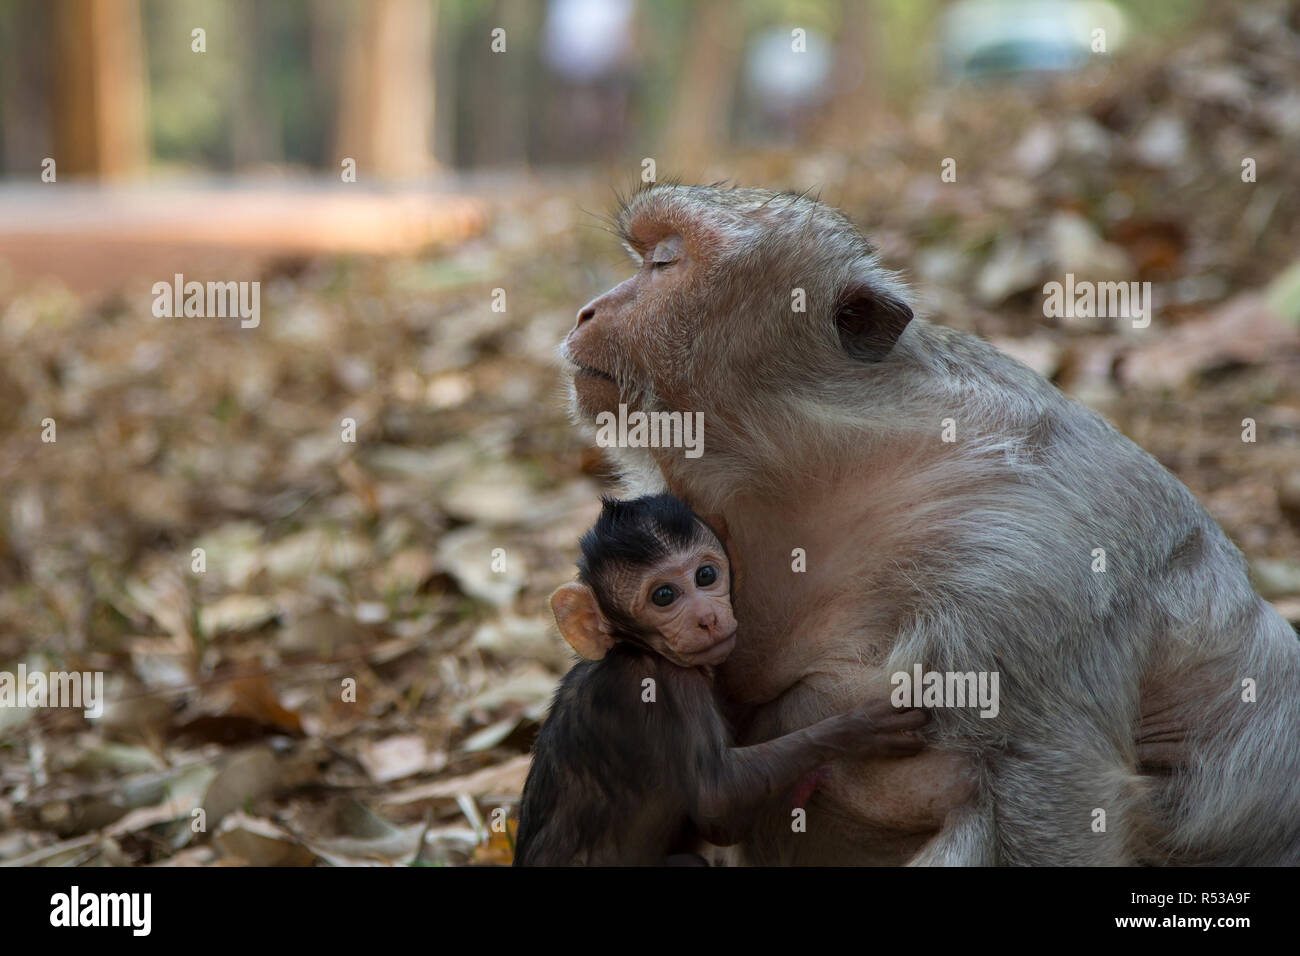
(355, 671)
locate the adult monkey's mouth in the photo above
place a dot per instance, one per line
(580, 369)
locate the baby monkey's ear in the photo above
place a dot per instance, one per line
(580, 622)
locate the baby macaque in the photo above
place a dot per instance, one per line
(635, 764)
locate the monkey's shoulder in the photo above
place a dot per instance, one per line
(632, 700)
(628, 679)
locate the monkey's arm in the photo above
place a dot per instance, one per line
(749, 778)
(1173, 714)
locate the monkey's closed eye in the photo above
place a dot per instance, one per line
(666, 252)
(663, 596)
(706, 575)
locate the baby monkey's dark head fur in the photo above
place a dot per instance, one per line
(654, 573)
(631, 537)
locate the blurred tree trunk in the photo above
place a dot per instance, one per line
(26, 109)
(700, 123)
(99, 87)
(503, 83)
(328, 38)
(386, 98)
(855, 78)
(446, 88)
(256, 135)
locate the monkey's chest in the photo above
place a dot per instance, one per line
(797, 625)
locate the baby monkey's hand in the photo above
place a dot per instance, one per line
(879, 729)
(876, 729)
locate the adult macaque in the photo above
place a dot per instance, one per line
(825, 431)
(634, 764)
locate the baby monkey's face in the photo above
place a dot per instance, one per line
(685, 603)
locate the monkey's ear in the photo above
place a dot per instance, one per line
(578, 616)
(869, 322)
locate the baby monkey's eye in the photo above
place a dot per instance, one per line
(663, 596)
(706, 575)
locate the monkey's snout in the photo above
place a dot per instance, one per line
(587, 313)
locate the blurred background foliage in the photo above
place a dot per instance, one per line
(287, 82)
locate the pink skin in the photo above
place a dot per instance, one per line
(806, 787)
(697, 628)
